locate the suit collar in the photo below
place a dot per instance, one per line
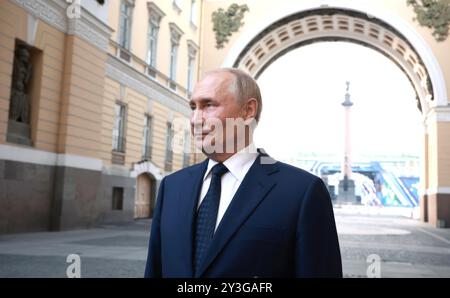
(253, 189)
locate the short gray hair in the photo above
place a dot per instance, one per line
(244, 87)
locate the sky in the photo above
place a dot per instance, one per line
(302, 93)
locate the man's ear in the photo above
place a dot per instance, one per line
(250, 108)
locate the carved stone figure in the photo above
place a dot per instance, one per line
(21, 75)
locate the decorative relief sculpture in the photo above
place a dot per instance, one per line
(20, 106)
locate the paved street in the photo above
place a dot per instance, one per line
(406, 248)
(109, 251)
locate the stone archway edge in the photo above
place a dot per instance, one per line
(419, 44)
(146, 167)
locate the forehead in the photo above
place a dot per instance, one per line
(212, 84)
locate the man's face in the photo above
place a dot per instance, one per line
(212, 102)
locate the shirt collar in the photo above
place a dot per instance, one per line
(238, 163)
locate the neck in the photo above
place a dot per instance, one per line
(220, 157)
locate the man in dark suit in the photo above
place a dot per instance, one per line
(239, 213)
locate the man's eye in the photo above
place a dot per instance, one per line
(192, 107)
(209, 104)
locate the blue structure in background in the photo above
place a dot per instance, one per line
(389, 188)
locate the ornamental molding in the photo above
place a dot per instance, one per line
(55, 13)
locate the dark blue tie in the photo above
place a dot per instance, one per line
(207, 215)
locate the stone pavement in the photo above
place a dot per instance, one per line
(403, 246)
(108, 251)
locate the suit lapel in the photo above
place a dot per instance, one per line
(253, 189)
(188, 198)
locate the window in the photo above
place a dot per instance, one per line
(187, 149)
(117, 198)
(191, 66)
(175, 35)
(173, 61)
(119, 128)
(193, 14)
(152, 44)
(147, 148)
(186, 159)
(169, 151)
(192, 53)
(155, 16)
(126, 10)
(177, 4)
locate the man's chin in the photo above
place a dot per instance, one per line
(208, 149)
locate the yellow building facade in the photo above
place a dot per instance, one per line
(94, 93)
(91, 97)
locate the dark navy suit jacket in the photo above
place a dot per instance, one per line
(280, 223)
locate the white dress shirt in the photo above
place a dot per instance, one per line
(238, 166)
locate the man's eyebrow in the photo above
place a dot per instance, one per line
(201, 99)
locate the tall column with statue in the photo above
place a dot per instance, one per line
(346, 193)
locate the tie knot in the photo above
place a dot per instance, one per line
(219, 169)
